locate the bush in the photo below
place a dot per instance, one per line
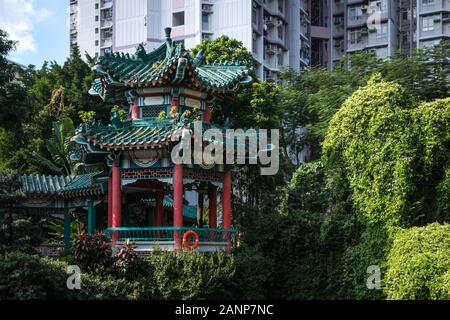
(92, 252)
(192, 275)
(21, 235)
(24, 276)
(418, 265)
(126, 260)
(108, 287)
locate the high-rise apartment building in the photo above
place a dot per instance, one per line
(295, 33)
(268, 28)
(385, 26)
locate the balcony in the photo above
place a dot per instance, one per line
(354, 21)
(165, 238)
(207, 8)
(106, 23)
(106, 43)
(338, 8)
(271, 49)
(433, 7)
(106, 4)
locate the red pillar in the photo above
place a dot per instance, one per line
(109, 202)
(207, 114)
(135, 110)
(212, 195)
(116, 200)
(175, 103)
(178, 202)
(226, 206)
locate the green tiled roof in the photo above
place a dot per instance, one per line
(170, 64)
(188, 211)
(83, 184)
(43, 185)
(145, 134)
(138, 134)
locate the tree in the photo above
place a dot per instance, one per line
(418, 264)
(59, 148)
(10, 194)
(224, 49)
(312, 97)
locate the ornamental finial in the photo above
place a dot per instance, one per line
(168, 31)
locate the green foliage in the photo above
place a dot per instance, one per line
(112, 288)
(419, 264)
(93, 253)
(24, 277)
(126, 259)
(20, 234)
(312, 97)
(59, 148)
(162, 116)
(122, 114)
(390, 150)
(223, 49)
(87, 116)
(443, 195)
(192, 275)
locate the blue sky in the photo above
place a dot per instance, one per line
(40, 26)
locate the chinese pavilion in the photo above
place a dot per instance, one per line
(160, 92)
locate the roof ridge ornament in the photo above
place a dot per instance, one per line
(199, 58)
(140, 52)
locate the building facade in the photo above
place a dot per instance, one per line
(277, 32)
(385, 26)
(294, 33)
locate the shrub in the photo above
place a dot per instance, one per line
(126, 260)
(24, 276)
(192, 275)
(92, 252)
(108, 287)
(418, 265)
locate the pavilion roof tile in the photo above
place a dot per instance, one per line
(43, 184)
(84, 184)
(167, 65)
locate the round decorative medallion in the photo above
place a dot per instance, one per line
(145, 158)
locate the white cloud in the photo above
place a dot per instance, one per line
(18, 17)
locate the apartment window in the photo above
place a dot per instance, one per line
(280, 59)
(96, 6)
(96, 18)
(280, 32)
(355, 37)
(427, 2)
(381, 5)
(428, 24)
(178, 19)
(355, 13)
(96, 43)
(254, 43)
(255, 15)
(205, 22)
(281, 5)
(96, 30)
(382, 30)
